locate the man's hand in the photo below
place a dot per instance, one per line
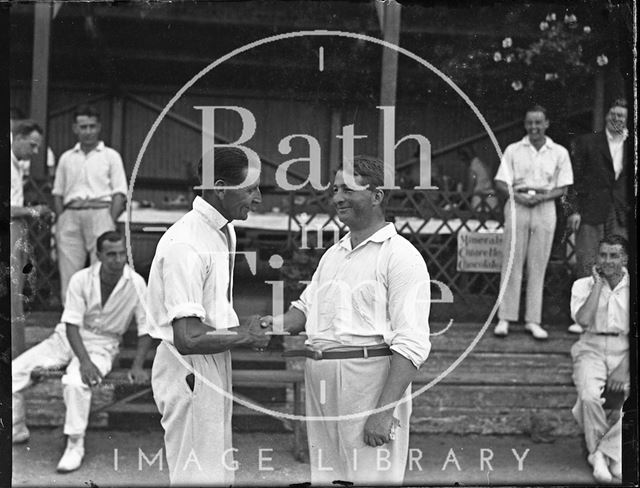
(138, 375)
(573, 222)
(89, 373)
(596, 275)
(523, 199)
(619, 380)
(255, 332)
(380, 428)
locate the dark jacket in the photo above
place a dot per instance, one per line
(595, 188)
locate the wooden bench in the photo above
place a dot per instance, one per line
(266, 378)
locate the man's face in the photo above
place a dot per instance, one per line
(536, 124)
(113, 256)
(87, 129)
(616, 119)
(611, 259)
(25, 147)
(354, 207)
(238, 203)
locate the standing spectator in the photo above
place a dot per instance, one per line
(539, 171)
(602, 166)
(16, 115)
(89, 193)
(25, 143)
(600, 303)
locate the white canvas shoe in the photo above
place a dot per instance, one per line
(502, 328)
(20, 433)
(72, 457)
(600, 469)
(536, 331)
(575, 329)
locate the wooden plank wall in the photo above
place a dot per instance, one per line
(176, 146)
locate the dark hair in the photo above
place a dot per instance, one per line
(26, 127)
(466, 154)
(230, 165)
(370, 169)
(618, 102)
(15, 113)
(87, 111)
(538, 108)
(616, 240)
(111, 236)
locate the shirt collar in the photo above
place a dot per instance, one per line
(381, 235)
(126, 271)
(547, 142)
(14, 160)
(617, 137)
(624, 282)
(99, 147)
(209, 213)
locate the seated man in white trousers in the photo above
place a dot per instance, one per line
(600, 304)
(101, 302)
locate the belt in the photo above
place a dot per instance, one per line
(530, 191)
(85, 205)
(101, 332)
(359, 352)
(610, 334)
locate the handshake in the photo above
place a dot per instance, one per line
(257, 331)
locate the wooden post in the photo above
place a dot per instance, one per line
(40, 80)
(598, 102)
(389, 78)
(335, 153)
(117, 122)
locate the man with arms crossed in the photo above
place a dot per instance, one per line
(600, 304)
(366, 315)
(89, 193)
(191, 310)
(101, 301)
(539, 170)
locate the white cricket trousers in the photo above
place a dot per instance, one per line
(55, 352)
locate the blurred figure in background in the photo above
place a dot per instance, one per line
(479, 181)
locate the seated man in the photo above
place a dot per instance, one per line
(600, 304)
(101, 301)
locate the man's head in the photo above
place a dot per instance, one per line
(231, 168)
(86, 125)
(536, 123)
(111, 252)
(613, 255)
(616, 118)
(27, 138)
(360, 208)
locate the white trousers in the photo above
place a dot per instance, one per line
(534, 237)
(56, 352)
(336, 447)
(76, 234)
(594, 358)
(196, 419)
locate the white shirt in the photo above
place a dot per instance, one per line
(525, 167)
(616, 142)
(83, 305)
(377, 293)
(17, 191)
(191, 273)
(97, 175)
(612, 314)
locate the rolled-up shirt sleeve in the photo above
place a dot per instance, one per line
(409, 299)
(308, 295)
(116, 173)
(183, 273)
(75, 305)
(565, 171)
(505, 173)
(579, 293)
